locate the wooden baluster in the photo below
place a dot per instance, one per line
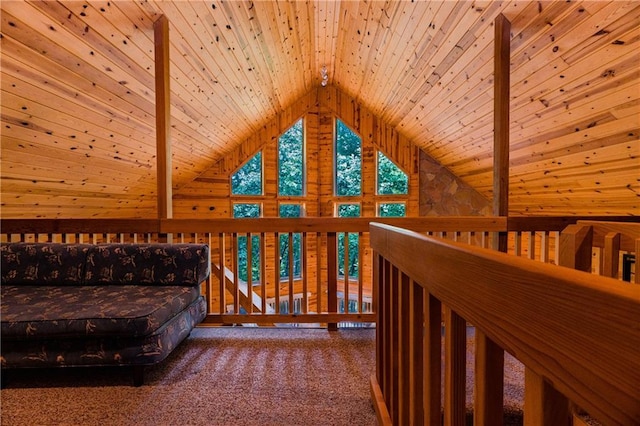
(575, 247)
(404, 337)
(455, 365)
(360, 275)
(209, 284)
(532, 246)
(485, 239)
(489, 381)
(345, 268)
(222, 275)
(416, 336)
(557, 247)
(544, 246)
(305, 274)
(236, 284)
(432, 381)
(290, 263)
(517, 243)
(319, 273)
(386, 301)
(332, 276)
(263, 272)
(611, 255)
(249, 273)
(394, 316)
(543, 405)
(278, 265)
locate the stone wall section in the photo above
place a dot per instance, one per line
(444, 194)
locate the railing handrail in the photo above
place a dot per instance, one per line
(629, 233)
(249, 225)
(587, 349)
(305, 224)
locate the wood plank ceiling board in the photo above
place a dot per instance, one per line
(78, 87)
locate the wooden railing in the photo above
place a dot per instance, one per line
(318, 291)
(577, 333)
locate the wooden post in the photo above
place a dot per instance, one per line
(576, 242)
(455, 345)
(543, 405)
(502, 56)
(163, 117)
(489, 381)
(611, 255)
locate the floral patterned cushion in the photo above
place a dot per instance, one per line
(31, 312)
(107, 350)
(43, 264)
(150, 264)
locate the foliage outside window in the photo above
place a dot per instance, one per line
(391, 179)
(245, 210)
(290, 210)
(391, 209)
(291, 161)
(248, 179)
(348, 210)
(348, 151)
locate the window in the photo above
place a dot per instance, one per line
(241, 210)
(245, 210)
(248, 179)
(392, 209)
(391, 179)
(291, 179)
(348, 167)
(291, 245)
(348, 210)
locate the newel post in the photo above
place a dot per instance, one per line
(163, 119)
(489, 381)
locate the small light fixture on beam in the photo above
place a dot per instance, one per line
(324, 75)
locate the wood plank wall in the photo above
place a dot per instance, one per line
(209, 195)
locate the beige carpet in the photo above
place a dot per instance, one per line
(223, 376)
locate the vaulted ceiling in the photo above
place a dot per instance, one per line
(78, 115)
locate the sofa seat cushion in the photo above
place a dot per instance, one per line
(30, 312)
(104, 350)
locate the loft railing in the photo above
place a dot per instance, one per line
(576, 333)
(319, 292)
(237, 293)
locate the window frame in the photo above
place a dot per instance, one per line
(304, 160)
(379, 204)
(335, 159)
(377, 177)
(262, 180)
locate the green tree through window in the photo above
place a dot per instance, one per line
(248, 179)
(391, 210)
(243, 210)
(291, 161)
(348, 151)
(348, 210)
(391, 179)
(290, 210)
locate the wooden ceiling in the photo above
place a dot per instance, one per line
(78, 118)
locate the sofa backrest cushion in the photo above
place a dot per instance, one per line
(43, 263)
(148, 264)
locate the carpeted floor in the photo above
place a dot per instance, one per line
(224, 376)
(218, 376)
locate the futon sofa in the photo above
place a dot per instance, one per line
(98, 305)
